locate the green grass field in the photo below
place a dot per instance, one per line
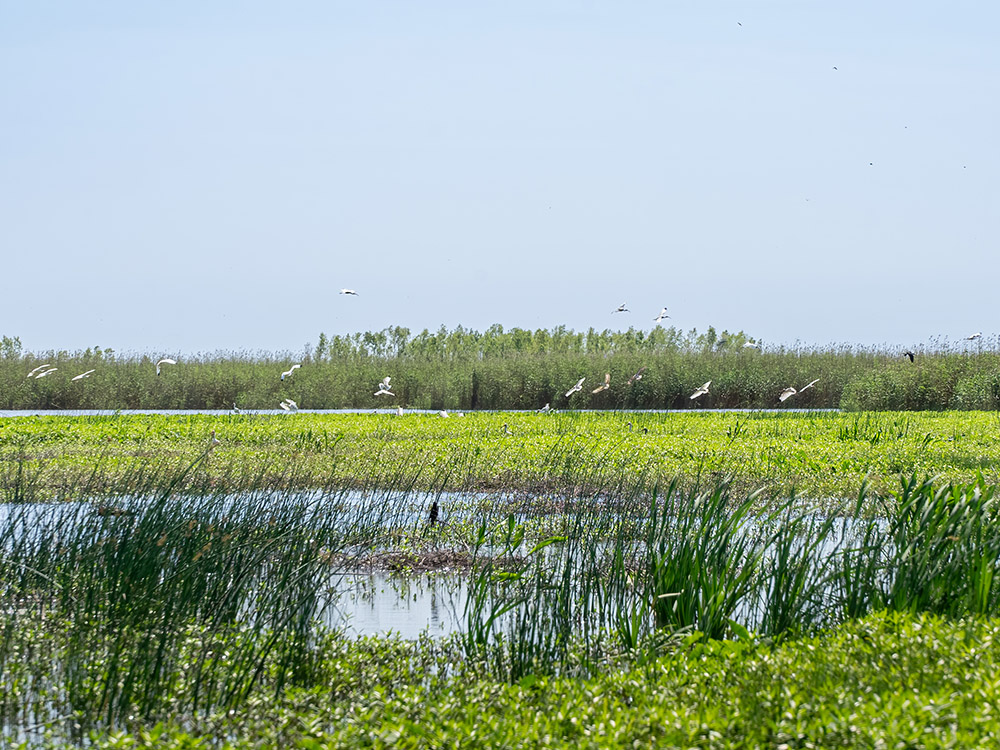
(819, 455)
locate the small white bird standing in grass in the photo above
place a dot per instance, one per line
(83, 375)
(545, 409)
(288, 373)
(213, 441)
(620, 308)
(349, 291)
(575, 388)
(399, 411)
(40, 367)
(605, 386)
(164, 362)
(383, 387)
(443, 414)
(661, 316)
(701, 391)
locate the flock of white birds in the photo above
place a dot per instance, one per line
(383, 388)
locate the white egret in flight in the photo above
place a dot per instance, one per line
(349, 291)
(164, 362)
(288, 373)
(83, 375)
(40, 367)
(606, 384)
(751, 345)
(289, 405)
(701, 391)
(790, 391)
(383, 387)
(41, 375)
(661, 316)
(974, 336)
(575, 388)
(620, 308)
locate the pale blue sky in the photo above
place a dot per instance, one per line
(190, 177)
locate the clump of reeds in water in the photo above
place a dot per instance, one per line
(707, 565)
(140, 599)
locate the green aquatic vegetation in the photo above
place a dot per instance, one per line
(819, 455)
(889, 680)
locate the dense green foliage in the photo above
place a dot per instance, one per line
(515, 369)
(885, 681)
(820, 454)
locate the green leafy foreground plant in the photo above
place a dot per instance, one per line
(890, 680)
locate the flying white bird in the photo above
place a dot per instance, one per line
(620, 308)
(83, 375)
(661, 316)
(288, 373)
(164, 362)
(637, 377)
(751, 345)
(289, 405)
(41, 375)
(974, 336)
(383, 387)
(349, 291)
(701, 391)
(40, 367)
(789, 391)
(605, 386)
(575, 388)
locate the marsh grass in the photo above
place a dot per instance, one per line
(177, 596)
(517, 369)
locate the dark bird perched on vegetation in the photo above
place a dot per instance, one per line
(908, 354)
(432, 519)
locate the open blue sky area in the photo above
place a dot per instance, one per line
(193, 177)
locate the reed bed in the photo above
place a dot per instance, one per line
(516, 369)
